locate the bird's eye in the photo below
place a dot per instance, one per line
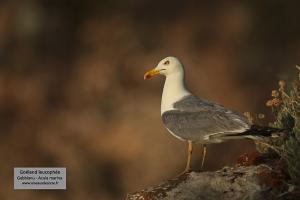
(166, 62)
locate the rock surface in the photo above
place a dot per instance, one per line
(240, 182)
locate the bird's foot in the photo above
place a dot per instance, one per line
(186, 171)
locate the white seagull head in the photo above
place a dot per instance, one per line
(167, 67)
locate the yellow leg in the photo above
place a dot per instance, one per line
(203, 155)
(190, 151)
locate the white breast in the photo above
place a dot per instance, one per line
(174, 90)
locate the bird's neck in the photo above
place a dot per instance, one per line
(174, 90)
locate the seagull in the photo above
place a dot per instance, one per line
(196, 120)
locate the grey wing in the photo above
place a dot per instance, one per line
(200, 126)
(192, 103)
(197, 119)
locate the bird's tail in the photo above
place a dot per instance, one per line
(257, 131)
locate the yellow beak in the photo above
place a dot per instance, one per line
(151, 73)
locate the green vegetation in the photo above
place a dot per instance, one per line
(285, 105)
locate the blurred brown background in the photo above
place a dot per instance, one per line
(72, 92)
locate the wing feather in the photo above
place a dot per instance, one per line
(196, 119)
